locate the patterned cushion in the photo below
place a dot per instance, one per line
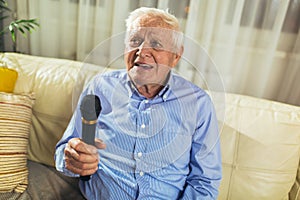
(15, 122)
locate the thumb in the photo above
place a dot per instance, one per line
(100, 144)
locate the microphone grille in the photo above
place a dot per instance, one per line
(90, 107)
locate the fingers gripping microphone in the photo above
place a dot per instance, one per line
(90, 109)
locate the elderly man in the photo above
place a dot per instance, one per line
(157, 134)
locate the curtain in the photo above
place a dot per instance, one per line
(252, 46)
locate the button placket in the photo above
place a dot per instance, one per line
(142, 129)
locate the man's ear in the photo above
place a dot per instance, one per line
(177, 56)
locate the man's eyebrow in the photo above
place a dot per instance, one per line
(133, 34)
(157, 36)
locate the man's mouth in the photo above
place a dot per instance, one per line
(143, 65)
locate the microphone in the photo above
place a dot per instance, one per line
(90, 109)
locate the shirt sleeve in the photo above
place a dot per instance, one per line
(205, 159)
(72, 131)
(59, 156)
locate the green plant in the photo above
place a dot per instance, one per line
(22, 25)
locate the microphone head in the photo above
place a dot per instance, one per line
(90, 107)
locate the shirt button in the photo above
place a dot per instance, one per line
(139, 154)
(164, 97)
(147, 101)
(143, 126)
(141, 173)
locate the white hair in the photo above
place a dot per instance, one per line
(163, 15)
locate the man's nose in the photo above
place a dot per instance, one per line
(144, 50)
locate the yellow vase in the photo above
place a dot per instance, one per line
(8, 78)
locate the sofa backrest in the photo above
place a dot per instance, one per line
(260, 139)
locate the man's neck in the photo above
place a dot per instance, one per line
(149, 91)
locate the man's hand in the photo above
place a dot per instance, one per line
(81, 158)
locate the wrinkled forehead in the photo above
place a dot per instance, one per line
(155, 32)
(152, 32)
(151, 25)
(152, 37)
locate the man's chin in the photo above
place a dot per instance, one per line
(142, 79)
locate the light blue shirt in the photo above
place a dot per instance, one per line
(166, 147)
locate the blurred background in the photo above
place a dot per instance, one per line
(254, 44)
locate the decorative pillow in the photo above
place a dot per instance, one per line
(260, 143)
(8, 78)
(15, 123)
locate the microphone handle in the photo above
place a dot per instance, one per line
(88, 136)
(88, 133)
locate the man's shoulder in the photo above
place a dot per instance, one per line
(186, 88)
(181, 82)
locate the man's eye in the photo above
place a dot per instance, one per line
(156, 45)
(135, 42)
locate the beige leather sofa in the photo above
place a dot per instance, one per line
(260, 139)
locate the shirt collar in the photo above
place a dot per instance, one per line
(164, 93)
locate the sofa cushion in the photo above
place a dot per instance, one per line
(57, 84)
(15, 122)
(260, 143)
(46, 183)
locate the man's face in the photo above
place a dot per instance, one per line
(150, 54)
